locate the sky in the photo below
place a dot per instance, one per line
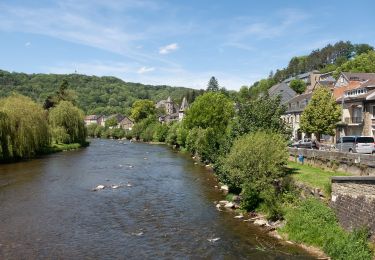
(178, 43)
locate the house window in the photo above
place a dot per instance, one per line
(373, 111)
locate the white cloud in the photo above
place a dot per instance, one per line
(144, 69)
(168, 48)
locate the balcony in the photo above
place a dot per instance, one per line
(353, 120)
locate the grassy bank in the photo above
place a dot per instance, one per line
(312, 222)
(63, 147)
(312, 176)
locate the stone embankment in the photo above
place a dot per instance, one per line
(353, 199)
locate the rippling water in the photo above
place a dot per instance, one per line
(163, 209)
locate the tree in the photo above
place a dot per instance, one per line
(212, 109)
(321, 114)
(362, 63)
(23, 127)
(111, 122)
(213, 85)
(254, 164)
(67, 120)
(263, 113)
(142, 109)
(298, 85)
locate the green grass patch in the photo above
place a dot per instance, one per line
(314, 223)
(313, 176)
(63, 147)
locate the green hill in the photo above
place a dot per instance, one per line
(95, 95)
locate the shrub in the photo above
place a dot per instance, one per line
(161, 132)
(172, 134)
(314, 223)
(254, 165)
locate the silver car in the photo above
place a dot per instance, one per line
(356, 144)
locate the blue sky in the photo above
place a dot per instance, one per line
(179, 43)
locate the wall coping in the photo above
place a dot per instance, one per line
(353, 178)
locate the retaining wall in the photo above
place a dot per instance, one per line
(353, 199)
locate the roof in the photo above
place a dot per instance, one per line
(91, 117)
(126, 120)
(300, 97)
(283, 90)
(358, 76)
(367, 96)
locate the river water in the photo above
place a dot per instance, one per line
(163, 208)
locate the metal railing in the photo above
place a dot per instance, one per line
(353, 120)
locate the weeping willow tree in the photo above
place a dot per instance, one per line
(24, 127)
(67, 122)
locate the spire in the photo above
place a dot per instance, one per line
(184, 104)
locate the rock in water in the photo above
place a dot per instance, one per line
(239, 216)
(99, 187)
(115, 186)
(213, 240)
(229, 205)
(260, 222)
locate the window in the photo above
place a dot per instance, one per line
(348, 139)
(365, 140)
(373, 111)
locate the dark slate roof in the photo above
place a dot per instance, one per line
(283, 90)
(298, 99)
(359, 76)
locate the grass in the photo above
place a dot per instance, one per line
(313, 176)
(63, 147)
(312, 222)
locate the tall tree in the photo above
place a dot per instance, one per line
(67, 123)
(321, 114)
(213, 84)
(142, 109)
(258, 114)
(24, 125)
(362, 63)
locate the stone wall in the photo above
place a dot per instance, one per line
(353, 199)
(353, 163)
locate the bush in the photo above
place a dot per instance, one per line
(172, 134)
(255, 165)
(161, 132)
(314, 223)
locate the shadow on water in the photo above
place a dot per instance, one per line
(162, 208)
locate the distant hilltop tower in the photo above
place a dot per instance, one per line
(183, 108)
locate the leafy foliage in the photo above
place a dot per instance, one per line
(68, 122)
(362, 63)
(262, 113)
(142, 109)
(254, 163)
(321, 114)
(94, 95)
(24, 130)
(298, 86)
(314, 223)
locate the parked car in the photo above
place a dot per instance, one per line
(356, 144)
(305, 143)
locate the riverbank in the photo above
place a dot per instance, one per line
(55, 148)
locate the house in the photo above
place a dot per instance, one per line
(355, 92)
(292, 116)
(126, 123)
(184, 106)
(171, 110)
(283, 90)
(118, 118)
(91, 119)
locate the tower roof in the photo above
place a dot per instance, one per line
(184, 104)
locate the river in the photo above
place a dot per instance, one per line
(163, 208)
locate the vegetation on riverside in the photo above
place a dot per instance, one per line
(314, 223)
(27, 129)
(313, 176)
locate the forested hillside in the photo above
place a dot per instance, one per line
(95, 95)
(332, 57)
